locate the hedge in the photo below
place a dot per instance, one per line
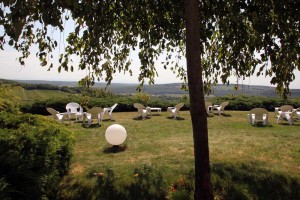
(35, 153)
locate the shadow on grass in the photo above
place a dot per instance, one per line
(177, 118)
(225, 115)
(230, 182)
(287, 124)
(141, 118)
(115, 149)
(250, 181)
(146, 184)
(222, 114)
(105, 120)
(91, 126)
(260, 125)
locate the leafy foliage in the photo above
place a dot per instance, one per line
(244, 102)
(35, 154)
(8, 101)
(238, 38)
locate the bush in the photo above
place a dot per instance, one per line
(245, 102)
(34, 155)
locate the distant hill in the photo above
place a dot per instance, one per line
(173, 88)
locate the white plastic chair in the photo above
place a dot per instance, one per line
(142, 110)
(79, 114)
(57, 115)
(93, 113)
(208, 106)
(298, 113)
(73, 109)
(175, 110)
(286, 112)
(258, 115)
(108, 111)
(221, 107)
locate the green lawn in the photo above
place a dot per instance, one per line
(247, 162)
(32, 95)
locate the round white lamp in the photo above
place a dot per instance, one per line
(115, 134)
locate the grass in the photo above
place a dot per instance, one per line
(32, 95)
(156, 161)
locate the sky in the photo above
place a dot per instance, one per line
(11, 69)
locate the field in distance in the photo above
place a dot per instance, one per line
(31, 95)
(173, 88)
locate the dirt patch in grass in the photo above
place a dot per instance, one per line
(77, 169)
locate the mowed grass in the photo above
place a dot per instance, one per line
(32, 95)
(165, 145)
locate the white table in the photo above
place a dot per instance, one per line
(154, 109)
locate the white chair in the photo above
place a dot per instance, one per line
(175, 110)
(57, 115)
(276, 111)
(108, 111)
(208, 106)
(93, 113)
(286, 112)
(79, 114)
(142, 110)
(73, 109)
(258, 115)
(221, 107)
(297, 112)
(287, 116)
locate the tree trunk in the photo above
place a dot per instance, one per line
(203, 187)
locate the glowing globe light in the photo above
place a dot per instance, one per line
(115, 134)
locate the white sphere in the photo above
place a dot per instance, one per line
(115, 134)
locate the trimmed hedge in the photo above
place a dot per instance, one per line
(245, 102)
(34, 154)
(125, 103)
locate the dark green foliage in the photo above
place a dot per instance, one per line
(253, 182)
(125, 103)
(34, 155)
(39, 106)
(4, 189)
(242, 182)
(146, 183)
(183, 188)
(244, 102)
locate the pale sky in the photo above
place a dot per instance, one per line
(11, 69)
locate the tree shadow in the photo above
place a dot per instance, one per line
(146, 184)
(250, 181)
(230, 182)
(115, 149)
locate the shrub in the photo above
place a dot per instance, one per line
(34, 155)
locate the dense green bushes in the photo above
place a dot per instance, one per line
(244, 102)
(125, 103)
(34, 155)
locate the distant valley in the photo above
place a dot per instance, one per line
(173, 88)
